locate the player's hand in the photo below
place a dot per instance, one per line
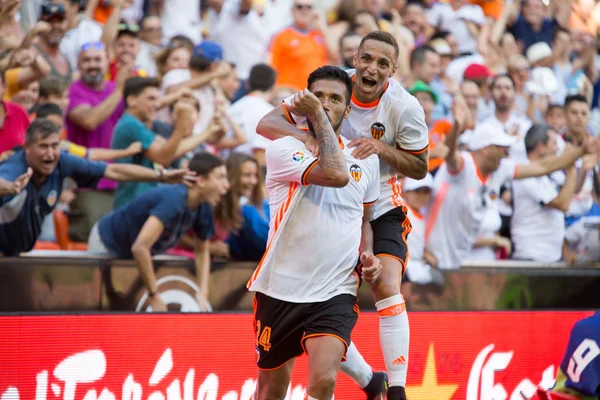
(134, 148)
(305, 104)
(503, 243)
(365, 147)
(184, 176)
(312, 144)
(371, 267)
(156, 303)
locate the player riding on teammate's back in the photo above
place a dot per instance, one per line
(307, 281)
(387, 121)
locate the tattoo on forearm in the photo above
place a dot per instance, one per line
(331, 156)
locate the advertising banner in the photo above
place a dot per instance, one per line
(453, 355)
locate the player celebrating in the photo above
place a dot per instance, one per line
(387, 121)
(306, 283)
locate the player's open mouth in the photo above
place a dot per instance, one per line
(368, 82)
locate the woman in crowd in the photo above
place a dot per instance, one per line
(173, 57)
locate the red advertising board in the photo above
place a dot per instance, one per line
(470, 355)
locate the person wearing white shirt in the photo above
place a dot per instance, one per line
(460, 18)
(582, 240)
(82, 30)
(181, 17)
(488, 240)
(249, 110)
(538, 221)
(238, 20)
(417, 194)
(468, 183)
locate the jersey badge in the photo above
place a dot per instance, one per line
(51, 199)
(298, 156)
(377, 130)
(355, 172)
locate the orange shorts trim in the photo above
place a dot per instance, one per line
(395, 258)
(325, 334)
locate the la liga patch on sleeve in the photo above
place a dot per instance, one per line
(298, 156)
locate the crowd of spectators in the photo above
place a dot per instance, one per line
(153, 82)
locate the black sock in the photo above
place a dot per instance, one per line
(396, 393)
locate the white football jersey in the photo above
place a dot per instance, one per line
(315, 231)
(396, 118)
(461, 201)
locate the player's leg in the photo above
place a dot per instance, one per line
(273, 384)
(389, 236)
(331, 322)
(278, 326)
(374, 384)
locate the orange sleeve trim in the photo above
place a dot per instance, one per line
(307, 171)
(288, 114)
(392, 310)
(370, 203)
(516, 171)
(423, 150)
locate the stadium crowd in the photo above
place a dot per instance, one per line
(155, 82)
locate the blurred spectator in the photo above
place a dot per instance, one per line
(26, 68)
(171, 58)
(249, 110)
(82, 29)
(437, 129)
(510, 121)
(481, 75)
(48, 46)
(424, 64)
(180, 17)
(417, 195)
(28, 96)
(460, 18)
(95, 106)
(582, 241)
(205, 67)
(141, 99)
(518, 70)
(415, 19)
(54, 90)
(349, 44)
(472, 95)
(10, 29)
(243, 214)
(555, 117)
(489, 243)
(538, 221)
(281, 93)
(13, 123)
(150, 45)
(238, 20)
(300, 49)
(577, 114)
(155, 221)
(35, 176)
(123, 49)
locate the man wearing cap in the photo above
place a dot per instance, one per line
(437, 129)
(48, 45)
(205, 67)
(468, 184)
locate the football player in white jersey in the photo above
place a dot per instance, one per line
(387, 121)
(308, 278)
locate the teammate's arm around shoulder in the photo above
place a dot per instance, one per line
(278, 123)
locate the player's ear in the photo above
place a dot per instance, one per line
(347, 112)
(393, 70)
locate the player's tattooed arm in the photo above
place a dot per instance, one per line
(331, 157)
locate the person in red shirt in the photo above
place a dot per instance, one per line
(14, 122)
(127, 44)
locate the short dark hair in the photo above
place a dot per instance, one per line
(40, 128)
(575, 98)
(538, 133)
(184, 40)
(439, 34)
(200, 63)
(203, 163)
(418, 55)
(48, 109)
(383, 37)
(52, 85)
(552, 107)
(262, 78)
(332, 73)
(500, 76)
(136, 85)
(349, 33)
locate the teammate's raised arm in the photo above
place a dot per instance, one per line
(276, 124)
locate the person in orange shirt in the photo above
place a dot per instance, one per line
(437, 129)
(298, 50)
(491, 8)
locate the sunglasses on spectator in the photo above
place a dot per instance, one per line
(307, 7)
(129, 27)
(93, 46)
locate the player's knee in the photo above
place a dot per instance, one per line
(324, 384)
(385, 288)
(268, 390)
